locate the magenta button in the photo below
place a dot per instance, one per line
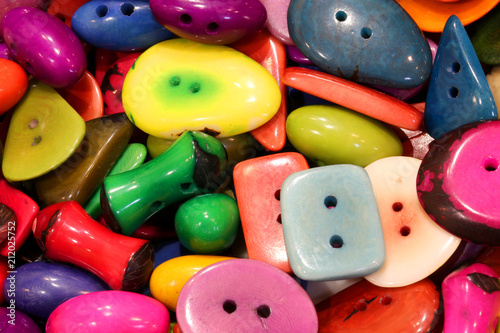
(45, 46)
(244, 295)
(459, 182)
(109, 311)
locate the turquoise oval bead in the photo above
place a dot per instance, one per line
(328, 134)
(207, 224)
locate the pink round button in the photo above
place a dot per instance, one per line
(458, 182)
(244, 295)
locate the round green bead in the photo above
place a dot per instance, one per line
(207, 224)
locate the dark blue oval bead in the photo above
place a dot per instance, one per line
(370, 41)
(458, 91)
(42, 286)
(123, 26)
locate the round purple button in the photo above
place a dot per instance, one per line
(244, 295)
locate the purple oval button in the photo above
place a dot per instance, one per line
(210, 21)
(45, 46)
(246, 294)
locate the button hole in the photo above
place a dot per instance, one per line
(101, 10)
(127, 8)
(336, 241)
(330, 202)
(212, 28)
(229, 306)
(186, 19)
(341, 16)
(453, 92)
(490, 164)
(264, 311)
(397, 206)
(366, 33)
(405, 231)
(277, 194)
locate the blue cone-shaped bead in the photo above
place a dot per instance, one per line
(458, 92)
(369, 41)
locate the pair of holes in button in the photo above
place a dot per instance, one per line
(126, 9)
(263, 311)
(397, 207)
(454, 68)
(362, 304)
(175, 81)
(365, 32)
(212, 28)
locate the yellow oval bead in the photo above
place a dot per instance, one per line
(168, 278)
(179, 85)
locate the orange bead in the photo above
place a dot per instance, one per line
(13, 84)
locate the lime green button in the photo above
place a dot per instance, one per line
(335, 135)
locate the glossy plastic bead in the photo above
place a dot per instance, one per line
(85, 97)
(238, 148)
(331, 223)
(354, 96)
(112, 83)
(207, 224)
(80, 175)
(63, 62)
(415, 246)
(244, 293)
(168, 279)
(41, 286)
(431, 15)
(277, 23)
(210, 22)
(471, 298)
(458, 91)
(109, 311)
(6, 5)
(457, 182)
(257, 184)
(18, 212)
(364, 307)
(132, 157)
(194, 164)
(13, 84)
(179, 85)
(102, 24)
(270, 53)
(348, 40)
(66, 233)
(358, 139)
(43, 133)
(23, 322)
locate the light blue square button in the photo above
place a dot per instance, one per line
(331, 223)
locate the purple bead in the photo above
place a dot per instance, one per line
(294, 54)
(14, 321)
(6, 5)
(5, 53)
(41, 287)
(45, 46)
(210, 21)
